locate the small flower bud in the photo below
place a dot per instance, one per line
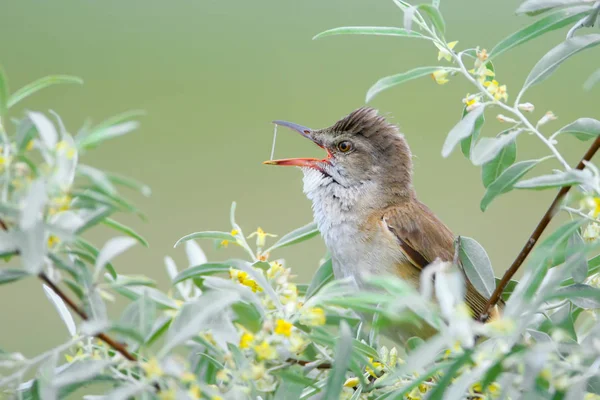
(504, 118)
(393, 357)
(526, 107)
(549, 116)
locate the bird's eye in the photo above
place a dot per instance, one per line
(344, 146)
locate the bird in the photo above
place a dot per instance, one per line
(365, 204)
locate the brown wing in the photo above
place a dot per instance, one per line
(408, 223)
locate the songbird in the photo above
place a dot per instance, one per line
(365, 205)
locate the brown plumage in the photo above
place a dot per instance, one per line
(365, 204)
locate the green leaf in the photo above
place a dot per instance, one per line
(296, 236)
(126, 230)
(201, 270)
(323, 276)
(487, 149)
(436, 17)
(463, 129)
(343, 352)
(549, 23)
(193, 316)
(552, 60)
(248, 316)
(393, 80)
(4, 99)
(592, 80)
(491, 170)
(80, 371)
(40, 84)
(559, 179)
(477, 266)
(437, 393)
(507, 179)
(467, 142)
(581, 295)
(207, 235)
(8, 275)
(583, 129)
(130, 183)
(105, 133)
(370, 30)
(534, 7)
(413, 343)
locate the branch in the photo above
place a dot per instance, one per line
(79, 311)
(552, 210)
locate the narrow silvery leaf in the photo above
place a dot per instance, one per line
(35, 201)
(8, 275)
(370, 30)
(96, 305)
(491, 170)
(409, 15)
(552, 60)
(506, 181)
(296, 236)
(583, 128)
(194, 253)
(568, 178)
(184, 288)
(156, 295)
(323, 275)
(62, 309)
(193, 315)
(486, 149)
(343, 353)
(45, 129)
(32, 247)
(67, 221)
(581, 295)
(434, 15)
(577, 390)
(111, 249)
(549, 23)
(207, 235)
(140, 315)
(80, 371)
(105, 133)
(40, 84)
(536, 6)
(461, 130)
(577, 258)
(592, 80)
(45, 378)
(7, 242)
(97, 177)
(393, 80)
(3, 93)
(448, 290)
(477, 266)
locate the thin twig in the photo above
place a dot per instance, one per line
(304, 363)
(552, 210)
(79, 311)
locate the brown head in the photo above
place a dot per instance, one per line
(361, 148)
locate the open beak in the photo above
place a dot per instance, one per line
(300, 162)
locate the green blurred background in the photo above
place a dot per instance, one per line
(213, 74)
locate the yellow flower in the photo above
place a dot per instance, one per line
(471, 101)
(440, 76)
(377, 368)
(257, 371)
(274, 269)
(261, 236)
(79, 354)
(313, 317)
(290, 293)
(29, 145)
(297, 343)
(234, 232)
(60, 203)
(283, 327)
(52, 241)
(195, 392)
(494, 88)
(188, 377)
(265, 351)
(152, 368)
(223, 375)
(67, 149)
(246, 340)
(243, 278)
(445, 53)
(169, 394)
(351, 382)
(591, 232)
